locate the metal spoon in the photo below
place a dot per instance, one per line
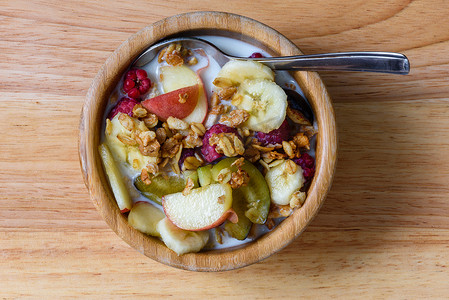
(382, 62)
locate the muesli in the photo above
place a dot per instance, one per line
(206, 168)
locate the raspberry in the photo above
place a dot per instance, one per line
(186, 152)
(136, 83)
(256, 55)
(125, 105)
(307, 164)
(275, 136)
(207, 150)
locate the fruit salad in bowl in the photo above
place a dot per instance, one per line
(205, 157)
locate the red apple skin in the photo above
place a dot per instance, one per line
(230, 215)
(199, 113)
(125, 210)
(168, 105)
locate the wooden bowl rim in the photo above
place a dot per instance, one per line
(95, 179)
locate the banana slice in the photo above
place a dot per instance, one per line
(121, 151)
(235, 72)
(282, 182)
(265, 101)
(179, 240)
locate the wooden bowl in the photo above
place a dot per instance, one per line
(92, 117)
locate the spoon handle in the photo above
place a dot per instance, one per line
(382, 62)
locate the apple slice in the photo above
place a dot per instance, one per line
(144, 217)
(169, 105)
(203, 208)
(176, 77)
(179, 240)
(118, 186)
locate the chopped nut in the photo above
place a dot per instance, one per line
(238, 163)
(183, 98)
(239, 178)
(108, 127)
(301, 141)
(270, 224)
(139, 111)
(192, 163)
(177, 124)
(145, 177)
(290, 167)
(192, 61)
(227, 92)
(177, 157)
(298, 198)
(126, 139)
(198, 128)
(221, 199)
(150, 120)
(222, 82)
(234, 118)
(174, 59)
(215, 100)
(224, 176)
(219, 109)
(189, 186)
(285, 210)
(136, 164)
(161, 135)
(126, 121)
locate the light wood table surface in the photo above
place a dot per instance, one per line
(383, 231)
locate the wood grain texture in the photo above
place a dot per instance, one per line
(383, 231)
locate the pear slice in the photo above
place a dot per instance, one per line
(144, 217)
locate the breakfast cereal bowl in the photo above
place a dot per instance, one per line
(164, 228)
